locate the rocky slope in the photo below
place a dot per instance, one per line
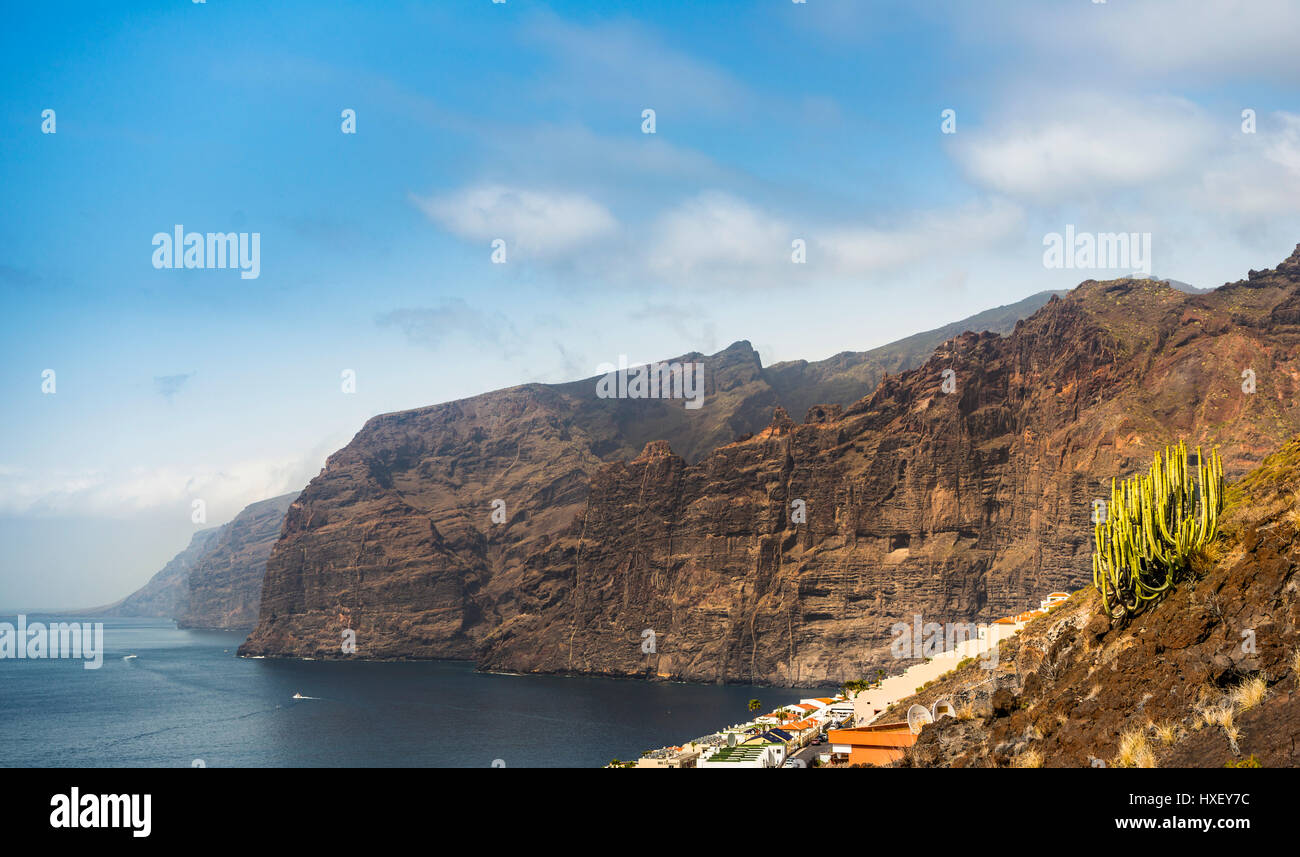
(395, 539)
(1210, 676)
(225, 584)
(957, 490)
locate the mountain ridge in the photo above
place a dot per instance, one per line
(955, 505)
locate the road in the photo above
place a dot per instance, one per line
(807, 754)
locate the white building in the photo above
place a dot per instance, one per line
(755, 755)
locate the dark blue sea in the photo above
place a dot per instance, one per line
(185, 696)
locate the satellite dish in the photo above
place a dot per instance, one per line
(917, 717)
(942, 708)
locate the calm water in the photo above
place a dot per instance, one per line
(185, 696)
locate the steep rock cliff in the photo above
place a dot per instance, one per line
(396, 538)
(168, 591)
(958, 506)
(225, 584)
(959, 490)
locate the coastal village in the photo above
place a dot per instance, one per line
(841, 730)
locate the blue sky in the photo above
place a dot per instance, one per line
(475, 120)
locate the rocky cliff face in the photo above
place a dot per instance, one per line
(168, 591)
(962, 505)
(216, 582)
(958, 490)
(1176, 680)
(225, 584)
(399, 540)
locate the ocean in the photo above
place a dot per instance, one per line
(186, 700)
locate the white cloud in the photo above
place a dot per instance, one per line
(716, 235)
(146, 490)
(1169, 37)
(1258, 174)
(1085, 144)
(858, 250)
(717, 238)
(534, 223)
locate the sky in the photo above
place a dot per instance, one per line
(525, 124)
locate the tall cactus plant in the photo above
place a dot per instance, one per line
(1153, 524)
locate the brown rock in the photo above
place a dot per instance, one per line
(959, 506)
(1004, 702)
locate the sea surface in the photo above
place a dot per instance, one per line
(185, 699)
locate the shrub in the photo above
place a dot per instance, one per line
(1134, 751)
(1249, 693)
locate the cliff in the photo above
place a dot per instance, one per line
(396, 540)
(168, 591)
(959, 506)
(1210, 676)
(225, 584)
(216, 582)
(958, 489)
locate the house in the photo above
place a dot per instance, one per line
(802, 730)
(841, 710)
(672, 757)
(775, 736)
(755, 754)
(877, 744)
(1054, 598)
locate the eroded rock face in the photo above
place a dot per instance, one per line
(225, 583)
(420, 534)
(959, 506)
(962, 505)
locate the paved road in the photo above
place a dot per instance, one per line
(807, 754)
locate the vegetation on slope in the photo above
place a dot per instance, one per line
(1208, 677)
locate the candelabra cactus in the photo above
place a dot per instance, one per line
(1153, 524)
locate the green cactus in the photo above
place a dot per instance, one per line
(1153, 524)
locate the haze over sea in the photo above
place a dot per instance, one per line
(186, 696)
